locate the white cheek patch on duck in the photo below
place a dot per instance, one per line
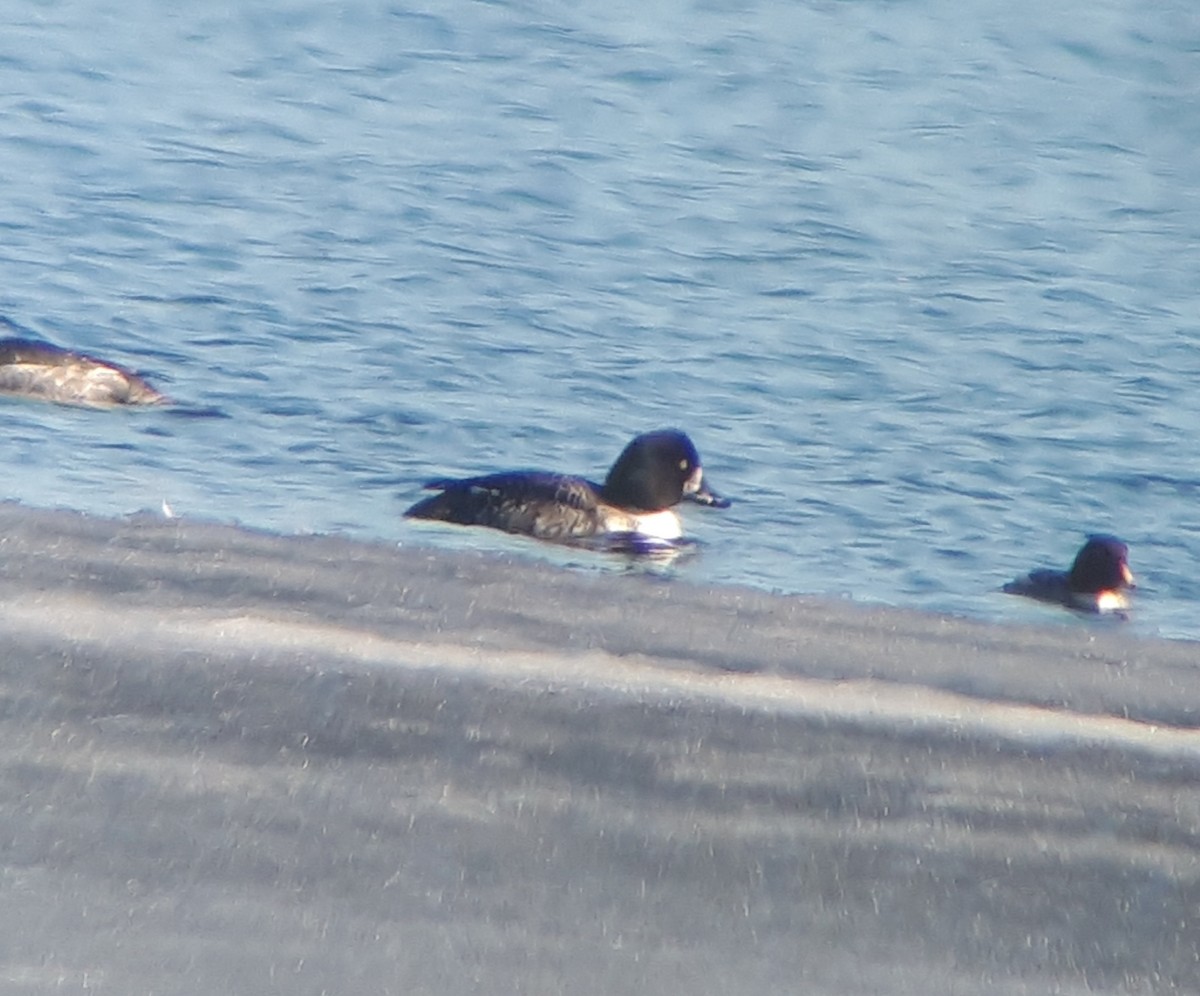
(695, 479)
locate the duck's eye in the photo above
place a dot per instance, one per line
(683, 465)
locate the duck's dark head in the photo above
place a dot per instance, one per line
(657, 470)
(1102, 565)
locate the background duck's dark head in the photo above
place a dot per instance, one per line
(1102, 565)
(657, 470)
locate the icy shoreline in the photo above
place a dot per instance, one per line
(242, 762)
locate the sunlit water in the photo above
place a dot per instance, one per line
(919, 279)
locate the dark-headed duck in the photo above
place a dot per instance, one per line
(1096, 582)
(633, 510)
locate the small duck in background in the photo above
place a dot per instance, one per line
(39, 370)
(631, 512)
(1097, 581)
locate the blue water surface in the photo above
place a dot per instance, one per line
(919, 278)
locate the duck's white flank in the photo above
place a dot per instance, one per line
(664, 525)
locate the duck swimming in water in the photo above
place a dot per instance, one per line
(632, 511)
(33, 369)
(1096, 582)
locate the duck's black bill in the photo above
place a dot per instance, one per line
(706, 496)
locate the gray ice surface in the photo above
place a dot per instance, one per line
(241, 763)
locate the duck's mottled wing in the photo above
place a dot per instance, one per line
(25, 379)
(31, 351)
(90, 384)
(40, 370)
(1045, 585)
(548, 506)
